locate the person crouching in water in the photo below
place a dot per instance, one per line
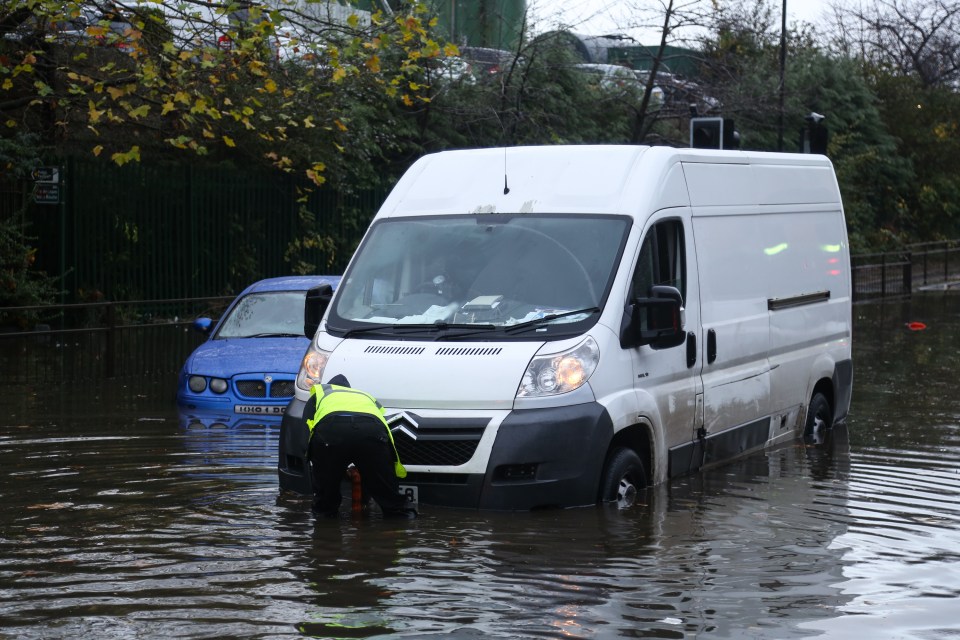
(347, 426)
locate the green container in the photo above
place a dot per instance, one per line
(497, 24)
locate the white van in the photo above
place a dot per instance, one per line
(565, 325)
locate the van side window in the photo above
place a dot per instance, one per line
(662, 260)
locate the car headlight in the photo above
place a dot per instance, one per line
(557, 373)
(197, 384)
(311, 367)
(218, 385)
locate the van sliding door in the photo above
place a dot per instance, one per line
(732, 249)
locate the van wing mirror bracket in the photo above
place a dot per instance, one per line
(314, 306)
(656, 320)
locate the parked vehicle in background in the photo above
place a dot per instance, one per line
(249, 363)
(622, 83)
(474, 64)
(611, 77)
(483, 61)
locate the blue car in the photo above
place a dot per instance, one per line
(249, 363)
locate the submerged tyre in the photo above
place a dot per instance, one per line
(624, 478)
(819, 418)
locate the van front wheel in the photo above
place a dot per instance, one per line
(819, 418)
(623, 478)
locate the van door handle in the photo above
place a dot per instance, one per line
(691, 349)
(711, 346)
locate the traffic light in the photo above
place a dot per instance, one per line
(814, 136)
(713, 133)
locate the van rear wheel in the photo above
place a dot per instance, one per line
(819, 418)
(624, 478)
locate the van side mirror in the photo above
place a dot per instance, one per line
(314, 306)
(656, 320)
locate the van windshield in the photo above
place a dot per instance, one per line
(486, 272)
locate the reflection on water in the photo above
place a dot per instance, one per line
(123, 519)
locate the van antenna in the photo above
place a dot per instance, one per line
(506, 189)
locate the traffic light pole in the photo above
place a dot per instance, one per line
(783, 68)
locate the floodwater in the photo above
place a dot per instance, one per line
(119, 521)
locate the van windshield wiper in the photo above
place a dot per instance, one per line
(373, 328)
(406, 327)
(468, 330)
(536, 322)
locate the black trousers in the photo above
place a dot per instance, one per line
(344, 438)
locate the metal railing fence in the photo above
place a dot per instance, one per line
(104, 340)
(927, 265)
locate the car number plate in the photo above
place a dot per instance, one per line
(259, 409)
(410, 492)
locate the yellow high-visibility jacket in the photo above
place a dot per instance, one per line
(331, 398)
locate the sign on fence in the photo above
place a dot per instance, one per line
(46, 175)
(46, 193)
(46, 185)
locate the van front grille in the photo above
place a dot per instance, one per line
(435, 441)
(437, 452)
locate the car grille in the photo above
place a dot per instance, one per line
(436, 441)
(282, 389)
(261, 389)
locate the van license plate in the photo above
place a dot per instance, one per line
(410, 492)
(259, 410)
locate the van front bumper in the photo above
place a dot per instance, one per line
(541, 458)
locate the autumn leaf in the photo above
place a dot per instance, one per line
(227, 140)
(121, 159)
(139, 112)
(93, 113)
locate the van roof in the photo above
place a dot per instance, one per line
(622, 179)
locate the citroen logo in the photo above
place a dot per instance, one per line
(403, 423)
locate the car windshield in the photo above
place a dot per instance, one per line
(268, 314)
(486, 272)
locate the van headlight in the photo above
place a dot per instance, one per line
(557, 373)
(311, 367)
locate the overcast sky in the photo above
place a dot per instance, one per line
(596, 17)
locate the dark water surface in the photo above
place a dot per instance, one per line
(119, 521)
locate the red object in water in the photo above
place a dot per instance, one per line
(916, 326)
(357, 488)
